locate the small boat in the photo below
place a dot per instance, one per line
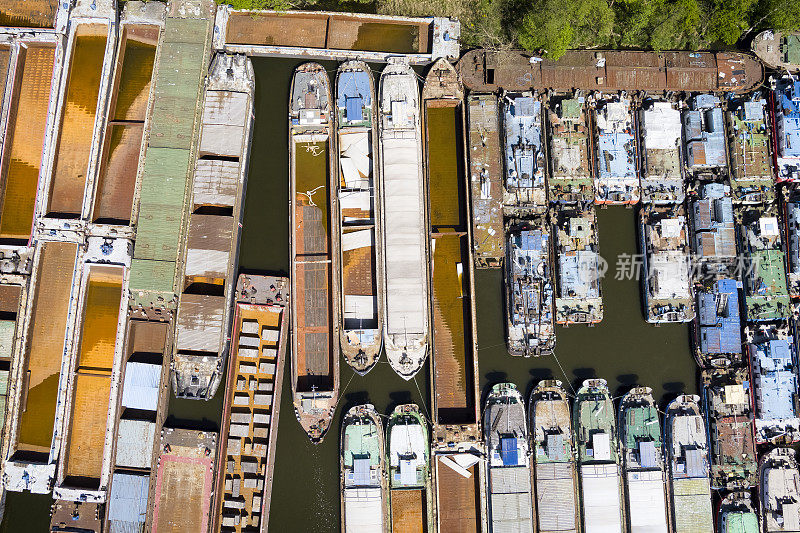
(616, 179)
(598, 458)
(765, 291)
(717, 328)
(555, 474)
(690, 489)
(405, 247)
(736, 514)
(642, 449)
(410, 496)
(313, 234)
(750, 148)
(786, 110)
(362, 463)
(570, 180)
(729, 412)
(792, 229)
(529, 300)
(713, 234)
(779, 486)
(579, 298)
(359, 256)
(773, 355)
(666, 287)
(523, 146)
(704, 137)
(508, 460)
(778, 50)
(662, 165)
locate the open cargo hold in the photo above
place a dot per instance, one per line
(458, 502)
(28, 13)
(125, 127)
(74, 146)
(24, 142)
(50, 309)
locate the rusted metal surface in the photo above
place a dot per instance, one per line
(28, 13)
(611, 70)
(25, 140)
(778, 50)
(409, 511)
(9, 298)
(458, 499)
(208, 250)
(200, 323)
(76, 516)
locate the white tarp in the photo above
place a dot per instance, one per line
(363, 510)
(662, 127)
(647, 505)
(359, 200)
(405, 441)
(356, 239)
(359, 307)
(601, 504)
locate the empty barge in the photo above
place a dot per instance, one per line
(313, 235)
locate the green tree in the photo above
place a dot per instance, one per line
(728, 19)
(554, 26)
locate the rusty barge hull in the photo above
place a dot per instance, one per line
(486, 71)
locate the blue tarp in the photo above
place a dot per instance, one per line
(720, 333)
(127, 501)
(353, 108)
(615, 152)
(776, 380)
(353, 85)
(789, 120)
(508, 451)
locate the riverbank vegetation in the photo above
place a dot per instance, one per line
(551, 27)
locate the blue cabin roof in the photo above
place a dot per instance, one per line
(776, 381)
(720, 323)
(508, 451)
(616, 155)
(353, 94)
(788, 96)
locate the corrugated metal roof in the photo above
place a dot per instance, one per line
(135, 443)
(215, 182)
(209, 246)
(127, 501)
(200, 322)
(555, 497)
(140, 390)
(6, 337)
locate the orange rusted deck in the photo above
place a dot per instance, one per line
(409, 511)
(458, 499)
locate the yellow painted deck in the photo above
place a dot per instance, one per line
(87, 430)
(25, 139)
(46, 345)
(77, 121)
(28, 13)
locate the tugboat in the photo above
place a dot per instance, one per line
(529, 301)
(359, 256)
(599, 459)
(410, 494)
(525, 187)
(362, 464)
(662, 168)
(644, 462)
(313, 234)
(779, 486)
(729, 412)
(616, 179)
(736, 514)
(555, 473)
(685, 433)
(405, 249)
(509, 485)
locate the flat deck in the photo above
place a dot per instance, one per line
(327, 31)
(25, 139)
(77, 120)
(46, 345)
(458, 499)
(409, 511)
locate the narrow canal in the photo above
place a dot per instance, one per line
(623, 349)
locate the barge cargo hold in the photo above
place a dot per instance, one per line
(778, 50)
(666, 283)
(598, 458)
(713, 235)
(704, 137)
(360, 258)
(529, 301)
(570, 179)
(486, 187)
(786, 111)
(736, 514)
(611, 70)
(749, 151)
(662, 164)
(616, 177)
(728, 408)
(508, 460)
(36, 407)
(406, 327)
(690, 489)
(555, 473)
(184, 481)
(779, 490)
(24, 139)
(313, 234)
(211, 250)
(578, 293)
(83, 97)
(409, 471)
(524, 155)
(363, 471)
(759, 236)
(647, 507)
(246, 458)
(125, 123)
(773, 355)
(460, 490)
(717, 328)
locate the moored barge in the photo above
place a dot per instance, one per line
(570, 177)
(786, 112)
(792, 234)
(662, 164)
(713, 235)
(524, 155)
(717, 328)
(737, 515)
(246, 457)
(409, 471)
(616, 177)
(704, 137)
(779, 488)
(749, 151)
(313, 235)
(555, 473)
(406, 328)
(358, 183)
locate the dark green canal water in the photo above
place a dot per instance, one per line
(623, 349)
